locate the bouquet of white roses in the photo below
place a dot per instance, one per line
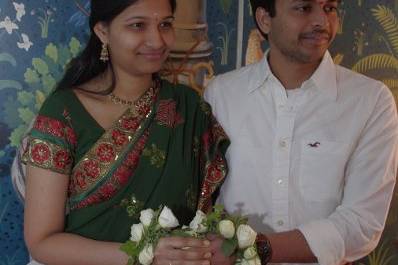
(146, 234)
(239, 238)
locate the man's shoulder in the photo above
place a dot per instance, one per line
(352, 84)
(356, 83)
(235, 82)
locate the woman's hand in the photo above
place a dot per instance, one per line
(182, 251)
(218, 256)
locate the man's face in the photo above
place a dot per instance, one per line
(301, 30)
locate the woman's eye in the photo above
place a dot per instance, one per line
(137, 25)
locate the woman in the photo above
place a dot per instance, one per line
(112, 130)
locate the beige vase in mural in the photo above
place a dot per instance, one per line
(189, 62)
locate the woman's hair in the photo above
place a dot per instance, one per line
(87, 64)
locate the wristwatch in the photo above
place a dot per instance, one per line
(264, 249)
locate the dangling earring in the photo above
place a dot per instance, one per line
(104, 57)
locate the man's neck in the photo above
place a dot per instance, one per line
(290, 73)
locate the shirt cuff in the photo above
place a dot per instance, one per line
(325, 241)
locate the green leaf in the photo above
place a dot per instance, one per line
(229, 246)
(48, 83)
(10, 84)
(6, 57)
(74, 46)
(64, 56)
(10, 115)
(25, 97)
(129, 247)
(52, 52)
(31, 76)
(17, 134)
(40, 66)
(26, 115)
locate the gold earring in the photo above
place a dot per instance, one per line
(104, 57)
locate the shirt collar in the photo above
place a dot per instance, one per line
(323, 79)
(260, 74)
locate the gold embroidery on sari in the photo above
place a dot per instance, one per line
(191, 198)
(156, 156)
(89, 180)
(215, 169)
(167, 114)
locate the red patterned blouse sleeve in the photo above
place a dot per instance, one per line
(50, 145)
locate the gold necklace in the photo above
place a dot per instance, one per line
(119, 101)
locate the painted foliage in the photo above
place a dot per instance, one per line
(38, 37)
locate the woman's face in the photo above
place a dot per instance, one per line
(139, 39)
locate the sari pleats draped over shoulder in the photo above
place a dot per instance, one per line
(167, 150)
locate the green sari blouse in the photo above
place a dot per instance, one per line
(167, 150)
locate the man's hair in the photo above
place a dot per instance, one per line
(268, 5)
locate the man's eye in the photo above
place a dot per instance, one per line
(305, 8)
(166, 25)
(331, 9)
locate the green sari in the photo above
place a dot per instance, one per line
(168, 150)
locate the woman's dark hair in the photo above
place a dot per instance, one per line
(268, 5)
(87, 64)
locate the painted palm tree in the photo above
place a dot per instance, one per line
(384, 61)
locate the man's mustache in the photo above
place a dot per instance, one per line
(316, 33)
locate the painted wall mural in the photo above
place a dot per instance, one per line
(38, 37)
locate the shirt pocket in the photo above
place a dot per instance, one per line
(321, 170)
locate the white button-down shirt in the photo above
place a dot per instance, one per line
(323, 161)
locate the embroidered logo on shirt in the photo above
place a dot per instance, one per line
(316, 144)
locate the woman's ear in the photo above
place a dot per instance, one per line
(263, 20)
(101, 30)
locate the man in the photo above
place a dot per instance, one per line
(313, 157)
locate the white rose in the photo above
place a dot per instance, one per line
(226, 228)
(255, 261)
(196, 224)
(250, 253)
(244, 262)
(136, 232)
(146, 255)
(146, 216)
(167, 219)
(246, 236)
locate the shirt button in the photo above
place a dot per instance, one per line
(280, 223)
(283, 143)
(280, 181)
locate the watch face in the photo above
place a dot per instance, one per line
(264, 249)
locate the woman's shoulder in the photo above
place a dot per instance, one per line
(56, 102)
(181, 91)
